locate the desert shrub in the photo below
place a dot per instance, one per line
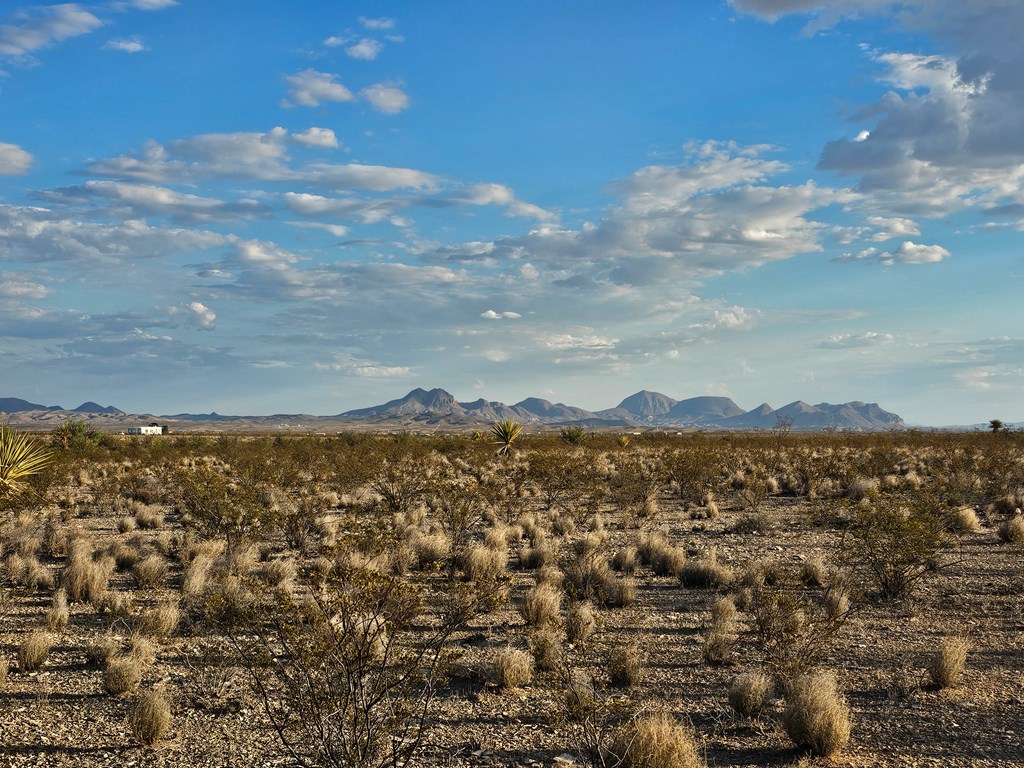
(58, 615)
(511, 668)
(151, 571)
(749, 692)
(794, 633)
(753, 522)
(542, 605)
(279, 573)
(353, 643)
(122, 675)
(34, 650)
(217, 508)
(547, 650)
(655, 741)
(582, 623)
(862, 488)
(816, 715)
(893, 546)
(706, 572)
(150, 720)
(1011, 531)
(625, 665)
(948, 663)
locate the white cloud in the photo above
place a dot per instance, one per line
(386, 98)
(14, 160)
(40, 27)
(490, 314)
(337, 230)
(139, 200)
(335, 40)
(357, 366)
(153, 5)
(316, 137)
(202, 316)
(856, 340)
(15, 288)
(380, 23)
(889, 227)
(907, 253)
(132, 45)
(366, 49)
(310, 88)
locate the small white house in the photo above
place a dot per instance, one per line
(152, 429)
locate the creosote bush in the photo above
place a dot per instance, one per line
(655, 740)
(948, 663)
(817, 717)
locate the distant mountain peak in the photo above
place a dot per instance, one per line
(90, 407)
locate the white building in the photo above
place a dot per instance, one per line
(152, 429)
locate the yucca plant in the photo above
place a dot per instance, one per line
(506, 431)
(20, 458)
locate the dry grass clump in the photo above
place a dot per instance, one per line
(814, 573)
(151, 718)
(963, 520)
(122, 675)
(151, 571)
(542, 605)
(4, 669)
(625, 560)
(161, 622)
(749, 693)
(27, 571)
(862, 488)
(582, 623)
(86, 577)
(948, 662)
(753, 522)
(1012, 531)
(127, 524)
(706, 572)
(198, 572)
(150, 517)
(817, 717)
(625, 665)
(511, 668)
(547, 650)
(34, 650)
(481, 563)
(59, 614)
(431, 548)
(656, 740)
(279, 573)
(539, 554)
(837, 603)
(100, 650)
(721, 635)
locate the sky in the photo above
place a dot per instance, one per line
(312, 207)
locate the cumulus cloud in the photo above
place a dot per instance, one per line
(946, 135)
(366, 49)
(17, 288)
(386, 98)
(131, 45)
(316, 137)
(907, 253)
(310, 88)
(379, 23)
(202, 316)
(490, 314)
(14, 160)
(39, 27)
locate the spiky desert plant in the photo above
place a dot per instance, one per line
(506, 432)
(151, 718)
(20, 458)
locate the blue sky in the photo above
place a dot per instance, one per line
(311, 207)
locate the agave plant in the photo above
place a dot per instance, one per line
(506, 431)
(20, 457)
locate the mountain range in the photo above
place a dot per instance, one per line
(439, 408)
